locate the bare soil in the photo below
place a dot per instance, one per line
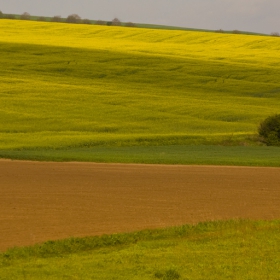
(42, 201)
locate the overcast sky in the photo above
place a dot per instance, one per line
(248, 15)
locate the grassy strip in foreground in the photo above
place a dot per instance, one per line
(234, 249)
(212, 155)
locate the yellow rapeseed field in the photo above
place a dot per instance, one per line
(65, 85)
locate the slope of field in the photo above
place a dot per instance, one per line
(215, 250)
(66, 86)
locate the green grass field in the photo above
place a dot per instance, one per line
(173, 154)
(69, 86)
(213, 250)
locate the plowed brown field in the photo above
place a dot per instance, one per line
(40, 201)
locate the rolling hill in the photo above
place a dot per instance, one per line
(69, 86)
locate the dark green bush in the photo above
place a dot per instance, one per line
(269, 130)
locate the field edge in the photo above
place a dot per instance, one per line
(262, 156)
(73, 245)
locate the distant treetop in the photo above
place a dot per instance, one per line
(74, 18)
(116, 22)
(130, 24)
(56, 19)
(25, 16)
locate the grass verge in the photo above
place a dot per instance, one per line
(197, 154)
(236, 249)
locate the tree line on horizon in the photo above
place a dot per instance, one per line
(76, 19)
(73, 18)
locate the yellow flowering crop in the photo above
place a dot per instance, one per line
(65, 85)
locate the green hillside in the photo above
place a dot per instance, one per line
(69, 86)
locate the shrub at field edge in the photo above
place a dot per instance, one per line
(269, 130)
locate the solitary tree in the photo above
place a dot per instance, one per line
(116, 22)
(269, 130)
(276, 34)
(236, 31)
(74, 18)
(25, 16)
